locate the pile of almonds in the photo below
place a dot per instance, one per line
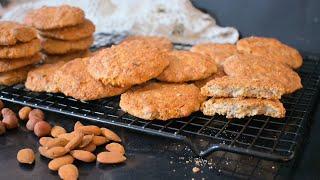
(61, 146)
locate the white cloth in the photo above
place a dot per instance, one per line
(175, 19)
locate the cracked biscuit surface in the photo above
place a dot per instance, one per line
(128, 64)
(229, 86)
(240, 108)
(258, 67)
(187, 66)
(162, 101)
(218, 52)
(54, 17)
(12, 33)
(73, 79)
(271, 49)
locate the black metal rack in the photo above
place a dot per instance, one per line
(261, 136)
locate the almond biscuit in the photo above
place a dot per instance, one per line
(10, 64)
(20, 50)
(14, 76)
(12, 33)
(158, 42)
(220, 73)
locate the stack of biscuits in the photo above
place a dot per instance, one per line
(19, 51)
(64, 32)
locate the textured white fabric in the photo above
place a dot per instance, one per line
(176, 19)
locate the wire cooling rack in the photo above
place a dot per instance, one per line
(260, 136)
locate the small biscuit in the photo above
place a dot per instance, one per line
(187, 66)
(161, 101)
(54, 46)
(40, 79)
(128, 64)
(218, 52)
(158, 42)
(71, 33)
(12, 33)
(10, 64)
(52, 58)
(54, 17)
(271, 49)
(229, 86)
(20, 50)
(239, 108)
(220, 73)
(261, 68)
(15, 76)
(73, 79)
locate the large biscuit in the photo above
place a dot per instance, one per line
(12, 33)
(271, 49)
(71, 33)
(161, 101)
(54, 46)
(15, 76)
(187, 66)
(54, 17)
(20, 50)
(158, 42)
(229, 86)
(73, 80)
(220, 73)
(128, 64)
(239, 108)
(10, 64)
(40, 79)
(218, 52)
(259, 67)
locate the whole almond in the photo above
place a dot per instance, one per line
(90, 147)
(56, 142)
(44, 140)
(77, 125)
(82, 155)
(36, 113)
(68, 171)
(2, 128)
(115, 147)
(44, 152)
(110, 158)
(10, 119)
(90, 129)
(86, 140)
(67, 136)
(56, 163)
(26, 156)
(75, 141)
(110, 135)
(57, 130)
(57, 151)
(24, 113)
(32, 122)
(99, 140)
(42, 128)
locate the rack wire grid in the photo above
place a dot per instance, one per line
(260, 136)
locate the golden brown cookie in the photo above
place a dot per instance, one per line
(40, 79)
(230, 86)
(10, 64)
(128, 64)
(270, 49)
(259, 67)
(187, 66)
(52, 58)
(20, 50)
(54, 46)
(73, 80)
(202, 82)
(161, 101)
(12, 33)
(218, 52)
(71, 33)
(15, 76)
(239, 108)
(158, 42)
(54, 17)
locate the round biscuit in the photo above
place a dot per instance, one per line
(12, 33)
(20, 50)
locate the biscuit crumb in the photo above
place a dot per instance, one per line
(195, 169)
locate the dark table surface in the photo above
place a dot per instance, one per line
(295, 22)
